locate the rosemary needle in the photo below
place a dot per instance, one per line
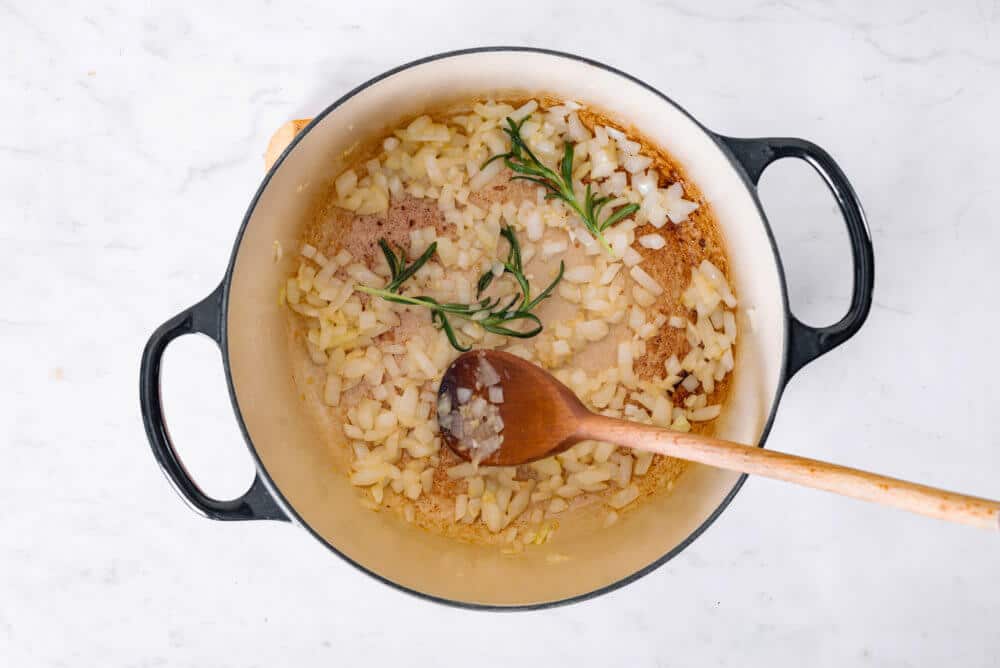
(521, 160)
(487, 313)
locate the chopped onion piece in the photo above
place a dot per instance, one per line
(631, 257)
(654, 241)
(486, 375)
(645, 280)
(579, 274)
(704, 414)
(645, 183)
(346, 183)
(634, 164)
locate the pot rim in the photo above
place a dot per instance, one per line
(290, 510)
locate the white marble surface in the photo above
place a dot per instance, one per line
(131, 146)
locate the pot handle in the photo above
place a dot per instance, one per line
(203, 318)
(806, 343)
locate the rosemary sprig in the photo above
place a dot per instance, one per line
(487, 313)
(528, 167)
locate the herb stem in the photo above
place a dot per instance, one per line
(527, 167)
(487, 313)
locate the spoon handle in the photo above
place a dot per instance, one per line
(921, 499)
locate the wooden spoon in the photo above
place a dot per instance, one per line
(542, 417)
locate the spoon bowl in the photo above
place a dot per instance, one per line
(540, 414)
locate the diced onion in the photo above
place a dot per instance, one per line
(579, 274)
(654, 241)
(393, 419)
(645, 280)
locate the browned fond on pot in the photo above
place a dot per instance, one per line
(330, 228)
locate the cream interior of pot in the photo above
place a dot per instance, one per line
(581, 556)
